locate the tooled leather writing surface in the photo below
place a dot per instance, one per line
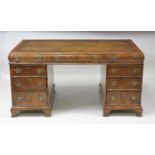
(95, 51)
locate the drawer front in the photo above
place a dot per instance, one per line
(124, 83)
(120, 98)
(29, 83)
(28, 71)
(30, 98)
(124, 71)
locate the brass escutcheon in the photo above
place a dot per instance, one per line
(112, 98)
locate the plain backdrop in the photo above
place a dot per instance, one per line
(77, 99)
(77, 15)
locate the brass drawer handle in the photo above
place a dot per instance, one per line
(18, 85)
(114, 83)
(19, 98)
(112, 98)
(39, 57)
(17, 70)
(134, 56)
(134, 83)
(134, 99)
(41, 98)
(29, 79)
(39, 71)
(114, 70)
(39, 84)
(135, 70)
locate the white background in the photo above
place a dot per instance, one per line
(77, 15)
(39, 135)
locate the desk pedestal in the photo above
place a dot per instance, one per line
(122, 88)
(32, 88)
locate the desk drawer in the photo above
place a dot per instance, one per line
(119, 98)
(124, 70)
(28, 71)
(29, 83)
(124, 83)
(30, 98)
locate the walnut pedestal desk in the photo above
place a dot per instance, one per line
(31, 65)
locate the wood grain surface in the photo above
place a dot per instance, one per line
(75, 51)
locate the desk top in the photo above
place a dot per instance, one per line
(75, 51)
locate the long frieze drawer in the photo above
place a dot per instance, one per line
(28, 71)
(124, 83)
(119, 98)
(124, 70)
(30, 98)
(29, 83)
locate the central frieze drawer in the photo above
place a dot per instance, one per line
(30, 98)
(124, 83)
(119, 98)
(29, 83)
(124, 70)
(28, 71)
